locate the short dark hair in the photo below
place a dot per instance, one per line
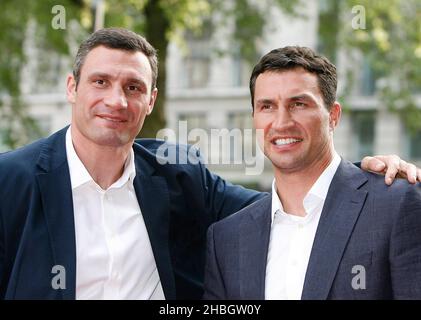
(292, 57)
(116, 38)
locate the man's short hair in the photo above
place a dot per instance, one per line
(292, 57)
(116, 38)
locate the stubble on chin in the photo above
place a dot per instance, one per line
(112, 138)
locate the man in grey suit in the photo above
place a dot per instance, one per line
(329, 230)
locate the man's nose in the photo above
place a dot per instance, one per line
(283, 119)
(116, 98)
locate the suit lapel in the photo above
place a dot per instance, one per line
(56, 195)
(152, 195)
(339, 215)
(254, 242)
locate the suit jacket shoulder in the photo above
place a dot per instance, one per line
(366, 223)
(255, 210)
(390, 200)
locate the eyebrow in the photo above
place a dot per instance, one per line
(264, 101)
(109, 76)
(303, 96)
(99, 74)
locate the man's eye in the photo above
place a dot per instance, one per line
(133, 88)
(266, 107)
(298, 104)
(99, 82)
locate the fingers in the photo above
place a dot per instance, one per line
(393, 164)
(410, 170)
(373, 164)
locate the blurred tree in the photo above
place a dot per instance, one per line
(16, 17)
(392, 42)
(388, 34)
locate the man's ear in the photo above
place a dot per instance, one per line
(152, 101)
(71, 89)
(334, 115)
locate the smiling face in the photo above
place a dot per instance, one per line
(289, 108)
(112, 98)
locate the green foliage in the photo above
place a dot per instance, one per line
(329, 17)
(250, 18)
(391, 42)
(16, 18)
(178, 15)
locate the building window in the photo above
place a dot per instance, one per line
(198, 59)
(242, 137)
(194, 120)
(363, 123)
(189, 122)
(197, 65)
(240, 120)
(240, 68)
(368, 77)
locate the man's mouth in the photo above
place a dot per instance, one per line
(285, 141)
(112, 119)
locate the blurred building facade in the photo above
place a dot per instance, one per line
(207, 89)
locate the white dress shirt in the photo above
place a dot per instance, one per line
(114, 258)
(291, 239)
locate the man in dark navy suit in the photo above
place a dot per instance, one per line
(329, 230)
(90, 213)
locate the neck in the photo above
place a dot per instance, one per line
(105, 164)
(292, 187)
